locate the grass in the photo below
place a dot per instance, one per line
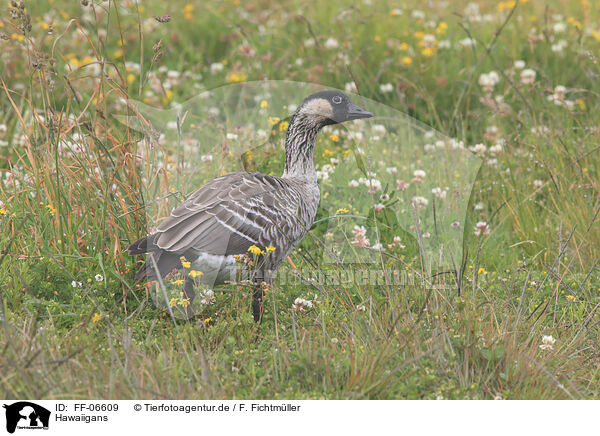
(76, 325)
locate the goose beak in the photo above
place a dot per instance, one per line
(355, 112)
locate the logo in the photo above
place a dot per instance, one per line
(26, 415)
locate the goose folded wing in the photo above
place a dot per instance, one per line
(227, 216)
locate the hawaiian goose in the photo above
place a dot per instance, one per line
(226, 217)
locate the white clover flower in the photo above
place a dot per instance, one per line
(559, 27)
(310, 42)
(439, 193)
(231, 135)
(216, 67)
(98, 278)
(391, 170)
(467, 42)
(496, 148)
(478, 149)
(419, 202)
(334, 340)
(538, 184)
(361, 308)
(559, 46)
(379, 207)
(172, 125)
(76, 284)
(350, 87)
(206, 158)
(481, 228)
(419, 174)
(528, 76)
(379, 129)
(444, 43)
(519, 64)
(386, 87)
(418, 14)
(331, 44)
(377, 246)
(547, 342)
(207, 297)
(353, 183)
(301, 305)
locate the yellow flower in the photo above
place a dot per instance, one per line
(185, 302)
(270, 249)
(118, 53)
(481, 271)
(273, 120)
(2, 211)
(570, 297)
(97, 317)
(283, 126)
(377, 38)
(441, 28)
(194, 274)
(579, 102)
(236, 77)
(130, 78)
(403, 46)
(428, 51)
(184, 262)
(173, 302)
(334, 138)
(255, 250)
(51, 209)
(406, 60)
(264, 104)
(177, 282)
(341, 210)
(419, 34)
(187, 11)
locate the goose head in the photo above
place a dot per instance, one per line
(328, 107)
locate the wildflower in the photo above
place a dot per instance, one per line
(391, 170)
(301, 305)
(350, 87)
(341, 210)
(334, 340)
(216, 67)
(528, 76)
(481, 228)
(194, 274)
(377, 246)
(488, 81)
(206, 158)
(395, 12)
(360, 239)
(406, 60)
(188, 10)
(178, 282)
(97, 317)
(51, 209)
(184, 262)
(538, 184)
(439, 192)
(386, 87)
(98, 278)
(331, 44)
(236, 77)
(419, 174)
(519, 64)
(547, 342)
(455, 224)
(255, 250)
(570, 297)
(401, 185)
(76, 284)
(379, 207)
(173, 302)
(334, 138)
(419, 202)
(361, 308)
(208, 297)
(467, 42)
(481, 271)
(384, 197)
(353, 183)
(270, 249)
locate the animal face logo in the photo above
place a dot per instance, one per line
(26, 415)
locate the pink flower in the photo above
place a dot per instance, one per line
(481, 228)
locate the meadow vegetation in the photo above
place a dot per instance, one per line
(513, 83)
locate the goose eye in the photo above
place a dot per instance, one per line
(337, 99)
